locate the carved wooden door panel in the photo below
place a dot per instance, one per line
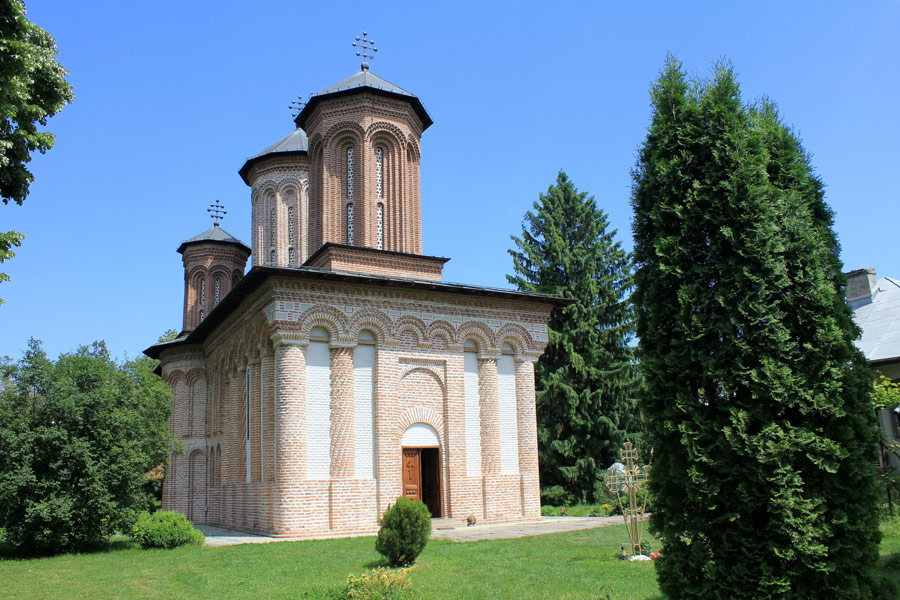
(412, 474)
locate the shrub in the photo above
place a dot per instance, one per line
(405, 528)
(165, 529)
(379, 584)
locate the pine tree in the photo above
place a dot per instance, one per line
(757, 400)
(585, 381)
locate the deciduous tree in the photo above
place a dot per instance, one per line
(33, 87)
(76, 439)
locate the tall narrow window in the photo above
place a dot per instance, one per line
(291, 227)
(202, 292)
(272, 226)
(350, 223)
(218, 290)
(247, 424)
(292, 257)
(349, 172)
(379, 173)
(379, 215)
(272, 257)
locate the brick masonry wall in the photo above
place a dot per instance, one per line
(419, 377)
(367, 260)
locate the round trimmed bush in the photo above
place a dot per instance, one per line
(405, 528)
(165, 529)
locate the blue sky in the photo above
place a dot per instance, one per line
(172, 97)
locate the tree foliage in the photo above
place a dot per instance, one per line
(77, 437)
(585, 382)
(33, 87)
(758, 403)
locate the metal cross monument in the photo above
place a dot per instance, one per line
(627, 481)
(365, 44)
(217, 212)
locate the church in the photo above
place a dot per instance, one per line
(341, 372)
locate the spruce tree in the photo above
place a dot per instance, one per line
(757, 401)
(585, 381)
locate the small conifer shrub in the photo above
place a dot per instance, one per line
(165, 529)
(405, 528)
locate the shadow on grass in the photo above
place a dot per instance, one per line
(114, 544)
(374, 564)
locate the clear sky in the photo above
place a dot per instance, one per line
(172, 97)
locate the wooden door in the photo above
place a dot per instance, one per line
(412, 474)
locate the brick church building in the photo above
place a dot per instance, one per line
(341, 372)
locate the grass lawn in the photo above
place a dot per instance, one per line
(571, 565)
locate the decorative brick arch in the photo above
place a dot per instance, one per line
(322, 315)
(343, 128)
(388, 130)
(442, 328)
(411, 323)
(423, 367)
(372, 319)
(420, 415)
(516, 336)
(412, 147)
(479, 332)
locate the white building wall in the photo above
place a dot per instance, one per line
(473, 416)
(509, 428)
(364, 410)
(318, 410)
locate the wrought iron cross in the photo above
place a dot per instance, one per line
(296, 105)
(365, 44)
(627, 481)
(217, 212)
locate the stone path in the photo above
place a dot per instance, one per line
(451, 529)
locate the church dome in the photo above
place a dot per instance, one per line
(213, 234)
(292, 143)
(364, 80)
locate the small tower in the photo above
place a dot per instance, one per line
(214, 262)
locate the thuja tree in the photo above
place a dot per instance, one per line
(585, 382)
(77, 438)
(757, 401)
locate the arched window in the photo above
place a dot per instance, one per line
(349, 172)
(379, 215)
(218, 290)
(379, 173)
(350, 223)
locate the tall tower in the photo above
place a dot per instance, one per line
(214, 262)
(349, 174)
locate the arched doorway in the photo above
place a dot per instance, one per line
(421, 466)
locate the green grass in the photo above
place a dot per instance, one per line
(575, 565)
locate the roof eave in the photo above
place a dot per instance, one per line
(244, 171)
(301, 119)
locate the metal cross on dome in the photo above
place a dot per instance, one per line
(217, 212)
(365, 44)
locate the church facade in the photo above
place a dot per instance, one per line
(341, 372)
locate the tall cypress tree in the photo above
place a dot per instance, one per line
(585, 381)
(757, 400)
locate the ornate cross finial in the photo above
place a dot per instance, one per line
(217, 212)
(296, 105)
(365, 44)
